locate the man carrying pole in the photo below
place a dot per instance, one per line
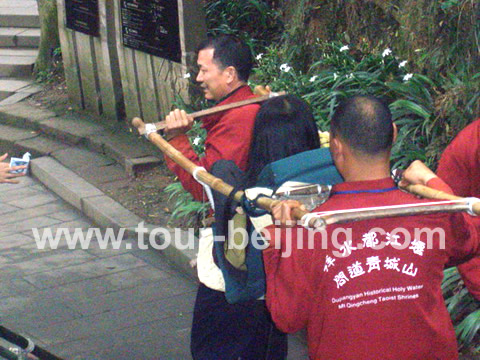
(221, 330)
(369, 289)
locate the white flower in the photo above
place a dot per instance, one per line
(285, 68)
(313, 78)
(197, 140)
(402, 64)
(349, 76)
(407, 77)
(344, 48)
(186, 76)
(386, 52)
(259, 56)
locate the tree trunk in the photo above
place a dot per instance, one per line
(49, 40)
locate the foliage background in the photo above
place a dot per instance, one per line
(422, 57)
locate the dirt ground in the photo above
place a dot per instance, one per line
(143, 195)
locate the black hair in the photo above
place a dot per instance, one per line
(364, 123)
(230, 51)
(284, 126)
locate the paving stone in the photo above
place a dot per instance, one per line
(86, 270)
(41, 309)
(133, 165)
(14, 98)
(22, 214)
(15, 66)
(122, 146)
(14, 240)
(19, 52)
(143, 341)
(18, 3)
(58, 260)
(22, 114)
(7, 36)
(33, 201)
(66, 215)
(13, 134)
(97, 175)
(15, 287)
(62, 181)
(70, 129)
(41, 146)
(91, 288)
(28, 38)
(137, 296)
(20, 194)
(101, 324)
(19, 17)
(7, 209)
(12, 85)
(76, 157)
(28, 224)
(22, 182)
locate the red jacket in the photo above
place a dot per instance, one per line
(229, 134)
(370, 304)
(459, 167)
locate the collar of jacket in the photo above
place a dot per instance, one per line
(242, 93)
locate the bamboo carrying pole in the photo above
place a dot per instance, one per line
(216, 109)
(212, 181)
(319, 221)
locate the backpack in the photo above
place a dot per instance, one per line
(243, 268)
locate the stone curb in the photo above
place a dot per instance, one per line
(108, 213)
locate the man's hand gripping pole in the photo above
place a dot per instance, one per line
(207, 178)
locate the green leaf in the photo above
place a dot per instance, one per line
(410, 106)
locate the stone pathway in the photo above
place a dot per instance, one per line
(19, 39)
(92, 303)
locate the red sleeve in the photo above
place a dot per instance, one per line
(460, 160)
(438, 184)
(470, 272)
(464, 241)
(289, 293)
(229, 139)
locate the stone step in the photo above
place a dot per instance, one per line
(26, 17)
(9, 87)
(17, 62)
(19, 37)
(79, 130)
(18, 4)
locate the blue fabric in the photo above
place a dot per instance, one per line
(241, 285)
(314, 166)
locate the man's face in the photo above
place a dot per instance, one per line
(213, 79)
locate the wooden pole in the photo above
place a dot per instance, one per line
(212, 181)
(216, 109)
(320, 221)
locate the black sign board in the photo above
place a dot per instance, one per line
(152, 26)
(82, 16)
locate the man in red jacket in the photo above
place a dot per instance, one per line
(369, 289)
(224, 67)
(459, 167)
(221, 330)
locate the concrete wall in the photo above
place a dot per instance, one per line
(117, 82)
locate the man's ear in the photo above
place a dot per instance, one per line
(231, 74)
(336, 148)
(395, 133)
